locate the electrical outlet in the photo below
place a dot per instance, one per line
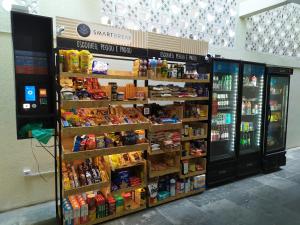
(27, 172)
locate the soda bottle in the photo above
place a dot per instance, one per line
(223, 83)
(249, 140)
(242, 141)
(229, 82)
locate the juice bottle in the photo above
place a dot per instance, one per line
(164, 69)
(159, 67)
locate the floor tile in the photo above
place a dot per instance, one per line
(182, 212)
(147, 217)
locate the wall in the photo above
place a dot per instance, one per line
(17, 190)
(293, 130)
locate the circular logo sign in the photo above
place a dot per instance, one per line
(83, 30)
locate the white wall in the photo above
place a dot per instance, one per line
(15, 189)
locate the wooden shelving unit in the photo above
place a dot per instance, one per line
(92, 187)
(72, 131)
(142, 167)
(111, 217)
(119, 75)
(186, 120)
(160, 173)
(165, 127)
(179, 98)
(193, 138)
(139, 163)
(71, 104)
(193, 156)
(69, 155)
(206, 81)
(68, 134)
(192, 174)
(178, 196)
(164, 151)
(129, 189)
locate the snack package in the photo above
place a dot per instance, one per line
(135, 156)
(63, 55)
(86, 61)
(99, 67)
(73, 61)
(153, 187)
(90, 142)
(125, 159)
(100, 142)
(67, 182)
(115, 160)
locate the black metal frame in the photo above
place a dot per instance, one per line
(257, 154)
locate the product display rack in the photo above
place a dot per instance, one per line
(276, 117)
(250, 135)
(222, 156)
(66, 135)
(177, 171)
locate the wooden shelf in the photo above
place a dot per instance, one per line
(70, 156)
(73, 131)
(128, 76)
(71, 104)
(185, 120)
(194, 138)
(159, 152)
(179, 99)
(111, 217)
(165, 126)
(86, 188)
(139, 163)
(153, 174)
(206, 81)
(178, 196)
(193, 156)
(129, 189)
(192, 174)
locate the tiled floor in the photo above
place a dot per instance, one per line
(272, 199)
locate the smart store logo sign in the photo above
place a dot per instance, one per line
(83, 30)
(101, 33)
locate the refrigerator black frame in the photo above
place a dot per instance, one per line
(249, 159)
(267, 110)
(273, 160)
(225, 165)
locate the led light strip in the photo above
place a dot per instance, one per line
(233, 125)
(260, 102)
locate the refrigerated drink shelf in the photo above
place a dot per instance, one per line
(215, 90)
(223, 140)
(224, 109)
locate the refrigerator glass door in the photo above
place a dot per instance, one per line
(251, 108)
(277, 113)
(224, 108)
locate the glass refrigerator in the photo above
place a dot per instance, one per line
(225, 77)
(251, 120)
(276, 117)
